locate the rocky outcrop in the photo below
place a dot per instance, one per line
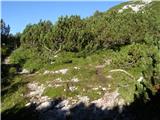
(60, 110)
(109, 100)
(135, 7)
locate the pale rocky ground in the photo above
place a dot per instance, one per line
(62, 71)
(52, 110)
(135, 7)
(78, 107)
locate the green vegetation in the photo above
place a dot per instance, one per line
(8, 41)
(13, 94)
(127, 41)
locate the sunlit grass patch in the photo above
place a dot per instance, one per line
(54, 92)
(13, 95)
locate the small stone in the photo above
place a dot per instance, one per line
(140, 79)
(28, 104)
(57, 85)
(109, 77)
(95, 88)
(77, 68)
(46, 72)
(74, 80)
(25, 71)
(49, 85)
(73, 88)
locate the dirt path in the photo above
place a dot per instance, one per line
(99, 70)
(100, 75)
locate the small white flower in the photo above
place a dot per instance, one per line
(74, 80)
(104, 89)
(77, 68)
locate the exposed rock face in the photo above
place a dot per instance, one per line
(35, 89)
(147, 1)
(83, 99)
(80, 109)
(84, 109)
(135, 7)
(109, 100)
(64, 105)
(44, 106)
(35, 95)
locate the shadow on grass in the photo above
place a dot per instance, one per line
(7, 75)
(12, 88)
(138, 110)
(18, 113)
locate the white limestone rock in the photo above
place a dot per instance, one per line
(72, 88)
(134, 7)
(77, 68)
(83, 99)
(75, 79)
(95, 88)
(25, 71)
(44, 106)
(109, 100)
(62, 71)
(35, 89)
(147, 1)
(28, 104)
(140, 79)
(62, 104)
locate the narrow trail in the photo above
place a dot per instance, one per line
(99, 70)
(100, 75)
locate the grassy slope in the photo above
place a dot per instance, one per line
(87, 75)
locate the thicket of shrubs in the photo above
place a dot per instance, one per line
(9, 42)
(134, 36)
